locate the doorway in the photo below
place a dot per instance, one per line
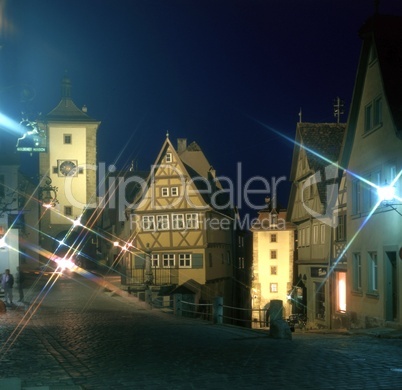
(391, 286)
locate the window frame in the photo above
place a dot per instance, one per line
(185, 260)
(162, 222)
(176, 222)
(168, 260)
(148, 223)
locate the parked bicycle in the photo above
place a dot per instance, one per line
(299, 320)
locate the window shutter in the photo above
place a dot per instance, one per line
(198, 261)
(139, 261)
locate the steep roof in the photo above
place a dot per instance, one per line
(66, 110)
(322, 143)
(383, 34)
(386, 32)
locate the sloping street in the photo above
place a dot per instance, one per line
(81, 336)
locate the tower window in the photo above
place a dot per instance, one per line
(168, 157)
(68, 210)
(68, 139)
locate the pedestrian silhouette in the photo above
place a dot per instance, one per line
(7, 283)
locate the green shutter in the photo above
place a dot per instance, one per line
(198, 260)
(139, 261)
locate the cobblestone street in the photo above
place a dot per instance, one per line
(83, 337)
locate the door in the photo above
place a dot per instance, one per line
(391, 287)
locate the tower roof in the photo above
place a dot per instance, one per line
(66, 110)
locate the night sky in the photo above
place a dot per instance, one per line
(205, 70)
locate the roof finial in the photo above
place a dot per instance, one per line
(167, 134)
(300, 115)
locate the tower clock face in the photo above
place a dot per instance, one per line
(68, 168)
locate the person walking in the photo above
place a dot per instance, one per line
(19, 280)
(7, 282)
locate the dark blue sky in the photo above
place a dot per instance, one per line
(200, 69)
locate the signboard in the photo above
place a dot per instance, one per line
(33, 139)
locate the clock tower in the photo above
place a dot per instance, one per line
(69, 164)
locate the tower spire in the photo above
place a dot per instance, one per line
(66, 87)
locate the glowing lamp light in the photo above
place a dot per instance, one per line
(3, 244)
(65, 263)
(115, 243)
(386, 193)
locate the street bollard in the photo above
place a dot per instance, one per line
(177, 309)
(217, 309)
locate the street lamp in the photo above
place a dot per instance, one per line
(386, 196)
(48, 193)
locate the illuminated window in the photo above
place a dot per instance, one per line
(148, 222)
(274, 270)
(273, 287)
(155, 260)
(168, 260)
(185, 260)
(165, 191)
(162, 222)
(169, 157)
(373, 272)
(178, 221)
(192, 221)
(357, 272)
(273, 237)
(68, 211)
(341, 291)
(274, 254)
(68, 138)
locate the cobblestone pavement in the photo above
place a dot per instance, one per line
(83, 337)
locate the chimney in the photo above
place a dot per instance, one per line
(181, 145)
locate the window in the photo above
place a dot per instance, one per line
(155, 260)
(274, 270)
(356, 197)
(169, 157)
(273, 287)
(67, 138)
(322, 233)
(148, 222)
(373, 272)
(162, 222)
(168, 260)
(341, 228)
(178, 221)
(315, 234)
(185, 260)
(174, 191)
(340, 291)
(192, 221)
(274, 254)
(368, 117)
(240, 240)
(377, 114)
(55, 170)
(357, 272)
(68, 210)
(80, 170)
(273, 237)
(308, 236)
(165, 191)
(241, 262)
(373, 114)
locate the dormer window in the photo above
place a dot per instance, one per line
(169, 157)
